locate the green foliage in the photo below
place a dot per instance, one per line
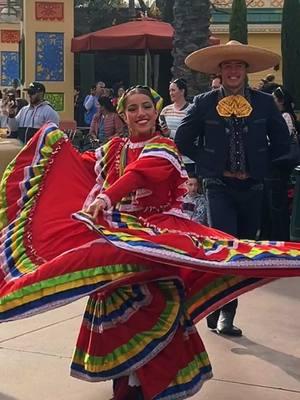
(166, 8)
(238, 28)
(92, 15)
(290, 47)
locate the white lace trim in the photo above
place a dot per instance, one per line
(138, 145)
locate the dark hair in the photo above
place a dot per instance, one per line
(181, 84)
(270, 78)
(106, 103)
(284, 97)
(193, 175)
(139, 89)
(269, 87)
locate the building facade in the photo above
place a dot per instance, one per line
(36, 46)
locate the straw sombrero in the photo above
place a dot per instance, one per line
(208, 59)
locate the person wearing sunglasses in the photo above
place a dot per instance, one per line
(24, 124)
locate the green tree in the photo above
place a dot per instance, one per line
(238, 28)
(91, 15)
(191, 23)
(290, 48)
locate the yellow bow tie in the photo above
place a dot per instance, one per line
(234, 105)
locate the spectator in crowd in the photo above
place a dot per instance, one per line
(120, 93)
(275, 215)
(3, 116)
(216, 82)
(106, 122)
(194, 202)
(78, 107)
(285, 104)
(16, 87)
(268, 84)
(238, 131)
(117, 85)
(172, 115)
(91, 104)
(13, 95)
(30, 118)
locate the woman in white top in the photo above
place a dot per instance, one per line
(172, 115)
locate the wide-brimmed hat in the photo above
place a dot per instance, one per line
(208, 59)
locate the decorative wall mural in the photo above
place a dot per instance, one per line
(57, 100)
(49, 11)
(10, 36)
(10, 68)
(49, 56)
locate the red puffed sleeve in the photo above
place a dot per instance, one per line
(158, 169)
(141, 174)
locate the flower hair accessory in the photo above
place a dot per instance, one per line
(234, 105)
(157, 99)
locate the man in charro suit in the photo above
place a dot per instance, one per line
(233, 134)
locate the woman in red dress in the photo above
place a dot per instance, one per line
(151, 273)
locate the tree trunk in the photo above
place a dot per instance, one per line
(191, 23)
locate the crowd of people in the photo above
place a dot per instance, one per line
(157, 241)
(23, 119)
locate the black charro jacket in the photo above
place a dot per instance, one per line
(266, 139)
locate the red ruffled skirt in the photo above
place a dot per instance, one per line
(149, 280)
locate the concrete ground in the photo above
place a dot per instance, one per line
(262, 365)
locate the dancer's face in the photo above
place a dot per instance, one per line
(140, 114)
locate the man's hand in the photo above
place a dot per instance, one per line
(95, 207)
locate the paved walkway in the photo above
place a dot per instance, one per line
(262, 365)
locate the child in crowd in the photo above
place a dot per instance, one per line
(194, 203)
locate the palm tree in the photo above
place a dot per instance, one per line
(191, 23)
(290, 47)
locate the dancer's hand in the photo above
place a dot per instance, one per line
(95, 207)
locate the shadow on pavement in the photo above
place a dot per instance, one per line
(6, 397)
(287, 362)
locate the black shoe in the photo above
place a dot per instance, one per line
(230, 331)
(212, 321)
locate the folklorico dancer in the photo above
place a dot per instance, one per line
(149, 270)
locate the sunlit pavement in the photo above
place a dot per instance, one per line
(264, 364)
